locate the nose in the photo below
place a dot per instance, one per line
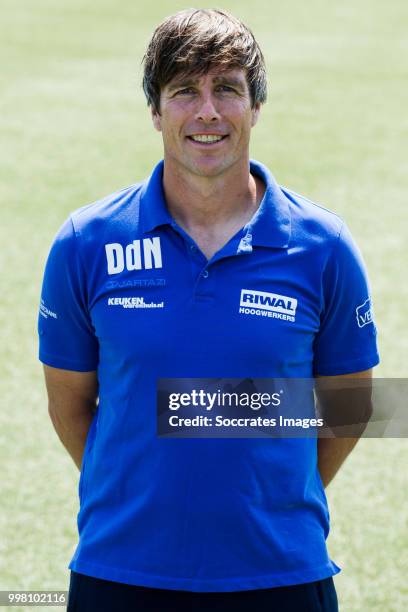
(207, 109)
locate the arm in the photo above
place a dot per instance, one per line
(72, 402)
(332, 452)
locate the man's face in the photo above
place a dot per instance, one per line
(206, 121)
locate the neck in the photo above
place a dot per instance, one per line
(201, 202)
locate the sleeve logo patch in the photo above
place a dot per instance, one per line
(364, 313)
(46, 312)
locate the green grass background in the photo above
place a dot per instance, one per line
(74, 127)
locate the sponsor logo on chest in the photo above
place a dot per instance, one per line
(133, 302)
(263, 304)
(142, 254)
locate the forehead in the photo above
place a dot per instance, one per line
(215, 75)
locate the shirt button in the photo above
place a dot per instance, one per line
(192, 247)
(205, 274)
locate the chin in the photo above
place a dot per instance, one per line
(210, 169)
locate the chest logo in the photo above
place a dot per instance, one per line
(138, 255)
(133, 302)
(263, 304)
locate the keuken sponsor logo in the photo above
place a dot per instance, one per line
(133, 302)
(264, 304)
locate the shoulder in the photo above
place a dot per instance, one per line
(98, 219)
(88, 228)
(319, 230)
(311, 220)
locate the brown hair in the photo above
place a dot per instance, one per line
(194, 41)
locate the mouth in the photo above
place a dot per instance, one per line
(207, 140)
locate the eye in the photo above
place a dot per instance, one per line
(185, 91)
(226, 88)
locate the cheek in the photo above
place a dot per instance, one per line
(244, 126)
(240, 116)
(171, 136)
(172, 123)
(176, 113)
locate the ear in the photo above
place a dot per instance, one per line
(255, 113)
(156, 118)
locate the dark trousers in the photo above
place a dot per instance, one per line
(87, 594)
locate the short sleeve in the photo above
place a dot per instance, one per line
(66, 335)
(347, 339)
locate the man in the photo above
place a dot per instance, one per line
(146, 284)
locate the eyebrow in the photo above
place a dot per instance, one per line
(223, 80)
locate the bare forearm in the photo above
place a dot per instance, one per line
(331, 454)
(343, 400)
(72, 403)
(72, 432)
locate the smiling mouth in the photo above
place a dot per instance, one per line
(207, 139)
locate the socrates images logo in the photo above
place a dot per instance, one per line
(262, 304)
(364, 313)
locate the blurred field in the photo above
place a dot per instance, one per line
(74, 127)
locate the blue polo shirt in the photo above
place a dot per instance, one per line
(128, 293)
